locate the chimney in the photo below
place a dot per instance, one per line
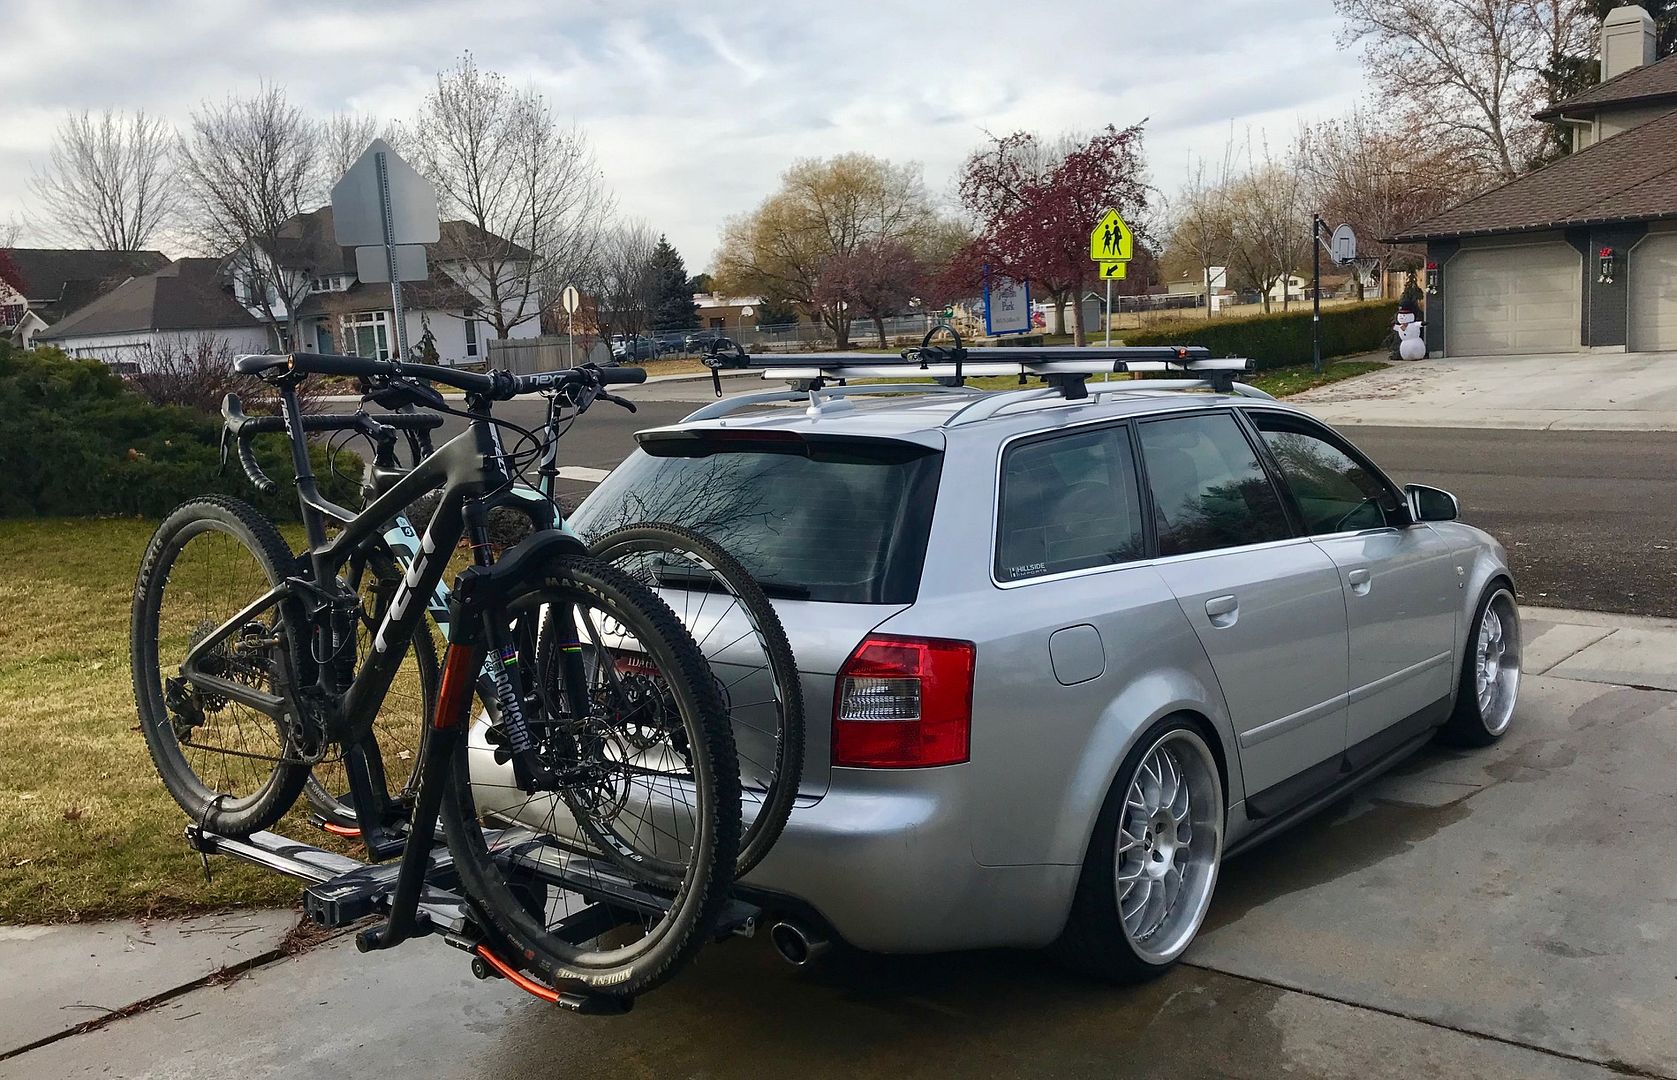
(1627, 41)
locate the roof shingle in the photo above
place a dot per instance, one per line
(188, 294)
(1643, 84)
(1629, 177)
(70, 277)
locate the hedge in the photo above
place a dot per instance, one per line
(76, 441)
(1279, 339)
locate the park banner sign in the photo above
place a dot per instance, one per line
(1007, 305)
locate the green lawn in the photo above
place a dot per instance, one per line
(90, 832)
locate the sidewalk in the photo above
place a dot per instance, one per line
(1587, 646)
(1569, 392)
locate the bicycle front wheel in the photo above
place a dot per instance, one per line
(664, 816)
(233, 767)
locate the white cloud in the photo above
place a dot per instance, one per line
(695, 111)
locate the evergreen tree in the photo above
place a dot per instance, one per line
(671, 295)
(775, 312)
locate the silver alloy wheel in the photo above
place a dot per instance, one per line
(1496, 659)
(1170, 842)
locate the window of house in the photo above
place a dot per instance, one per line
(367, 333)
(1068, 503)
(1209, 489)
(471, 334)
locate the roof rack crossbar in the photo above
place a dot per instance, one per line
(730, 405)
(996, 402)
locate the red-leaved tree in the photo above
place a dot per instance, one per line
(1036, 203)
(877, 279)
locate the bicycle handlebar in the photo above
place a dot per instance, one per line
(497, 385)
(241, 427)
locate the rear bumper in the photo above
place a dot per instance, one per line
(885, 860)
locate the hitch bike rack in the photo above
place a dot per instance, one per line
(340, 890)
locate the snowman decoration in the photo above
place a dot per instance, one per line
(1408, 327)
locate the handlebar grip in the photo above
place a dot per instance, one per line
(611, 375)
(253, 470)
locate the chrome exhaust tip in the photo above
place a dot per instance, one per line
(797, 944)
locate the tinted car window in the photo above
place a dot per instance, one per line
(1209, 490)
(1334, 492)
(1068, 503)
(844, 522)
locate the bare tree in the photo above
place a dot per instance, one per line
(344, 138)
(1201, 225)
(621, 279)
(250, 165)
(528, 190)
(108, 182)
(10, 230)
(1377, 178)
(1269, 225)
(1466, 71)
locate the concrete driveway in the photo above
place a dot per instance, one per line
(1507, 912)
(1565, 392)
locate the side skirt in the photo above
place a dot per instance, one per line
(1357, 766)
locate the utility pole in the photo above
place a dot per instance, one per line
(1316, 293)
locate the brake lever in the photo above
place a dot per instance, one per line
(615, 400)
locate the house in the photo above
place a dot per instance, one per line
(719, 312)
(1582, 253)
(53, 282)
(184, 303)
(1294, 287)
(339, 313)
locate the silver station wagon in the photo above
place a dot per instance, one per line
(1063, 650)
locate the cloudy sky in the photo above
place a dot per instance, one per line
(694, 109)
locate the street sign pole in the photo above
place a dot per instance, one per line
(398, 333)
(1109, 313)
(1316, 293)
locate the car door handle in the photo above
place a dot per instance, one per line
(1223, 610)
(1359, 579)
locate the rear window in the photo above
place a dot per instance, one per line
(841, 521)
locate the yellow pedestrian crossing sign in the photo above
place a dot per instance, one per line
(1112, 271)
(1111, 241)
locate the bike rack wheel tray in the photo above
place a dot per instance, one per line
(340, 890)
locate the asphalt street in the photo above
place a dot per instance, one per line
(1588, 517)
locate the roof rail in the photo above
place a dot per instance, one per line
(994, 403)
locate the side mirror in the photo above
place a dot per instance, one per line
(1431, 504)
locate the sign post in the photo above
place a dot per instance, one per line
(384, 209)
(570, 300)
(1111, 246)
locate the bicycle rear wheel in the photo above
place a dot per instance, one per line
(741, 638)
(540, 881)
(233, 768)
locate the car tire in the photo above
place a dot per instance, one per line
(1489, 685)
(1113, 932)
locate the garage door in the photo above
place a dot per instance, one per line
(1513, 300)
(1653, 294)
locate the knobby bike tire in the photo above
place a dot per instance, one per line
(774, 805)
(203, 802)
(697, 900)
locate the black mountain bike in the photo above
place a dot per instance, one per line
(252, 666)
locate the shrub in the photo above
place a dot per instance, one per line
(1279, 339)
(74, 440)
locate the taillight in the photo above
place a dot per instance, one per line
(904, 703)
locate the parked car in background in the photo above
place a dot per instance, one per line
(629, 348)
(696, 341)
(1077, 651)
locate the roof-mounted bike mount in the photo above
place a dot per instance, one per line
(1066, 368)
(340, 890)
